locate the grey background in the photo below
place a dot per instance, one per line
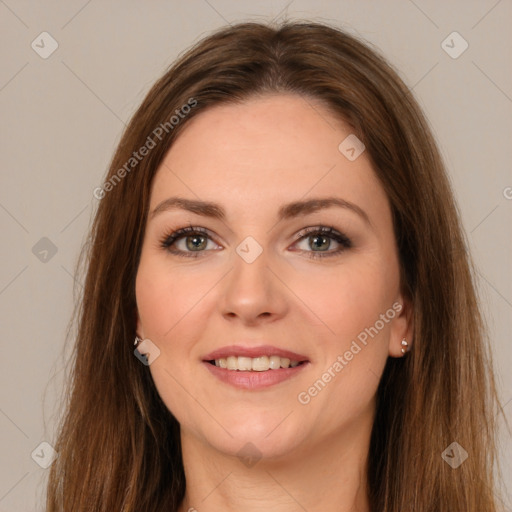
(62, 117)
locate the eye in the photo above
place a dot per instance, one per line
(195, 240)
(321, 238)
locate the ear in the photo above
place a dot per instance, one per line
(139, 331)
(402, 326)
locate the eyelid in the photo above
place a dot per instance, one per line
(171, 237)
(331, 233)
(324, 229)
(175, 235)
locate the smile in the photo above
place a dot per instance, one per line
(254, 380)
(249, 366)
(255, 364)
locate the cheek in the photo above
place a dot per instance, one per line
(152, 302)
(165, 303)
(350, 302)
(349, 299)
(171, 304)
(165, 296)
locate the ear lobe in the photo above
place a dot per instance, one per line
(402, 328)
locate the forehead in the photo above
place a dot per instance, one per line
(263, 152)
(263, 131)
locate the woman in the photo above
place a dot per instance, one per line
(278, 245)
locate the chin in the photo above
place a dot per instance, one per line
(247, 448)
(260, 436)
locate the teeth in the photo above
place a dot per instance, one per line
(274, 362)
(256, 364)
(260, 364)
(244, 363)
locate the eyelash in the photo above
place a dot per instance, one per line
(171, 238)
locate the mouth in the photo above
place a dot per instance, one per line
(255, 364)
(254, 367)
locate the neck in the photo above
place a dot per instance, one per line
(327, 476)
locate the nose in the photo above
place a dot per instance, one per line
(253, 292)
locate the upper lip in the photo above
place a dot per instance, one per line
(253, 351)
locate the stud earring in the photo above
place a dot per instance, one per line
(405, 346)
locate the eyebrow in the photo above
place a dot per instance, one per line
(287, 211)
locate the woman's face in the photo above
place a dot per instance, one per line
(260, 280)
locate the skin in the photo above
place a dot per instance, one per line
(251, 158)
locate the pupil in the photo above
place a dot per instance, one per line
(323, 238)
(194, 239)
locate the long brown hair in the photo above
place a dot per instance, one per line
(119, 446)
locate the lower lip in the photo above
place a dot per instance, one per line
(254, 380)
